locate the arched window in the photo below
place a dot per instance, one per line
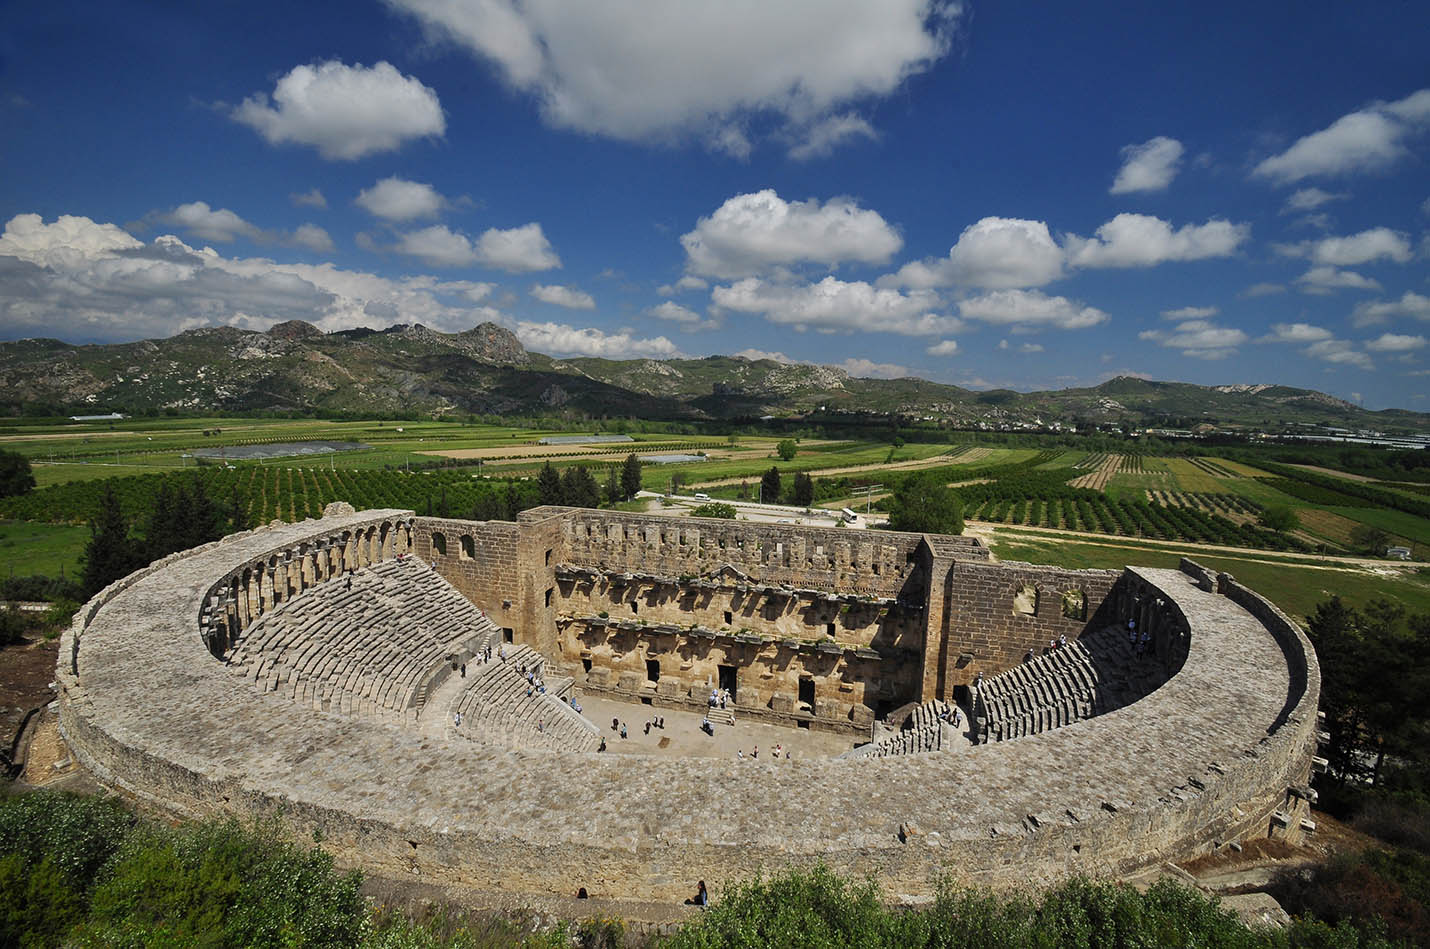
(469, 547)
(439, 543)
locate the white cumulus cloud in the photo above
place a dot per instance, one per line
(1150, 166)
(84, 281)
(675, 313)
(1395, 343)
(557, 295)
(1377, 243)
(1369, 139)
(945, 347)
(868, 369)
(755, 355)
(312, 198)
(396, 199)
(312, 237)
(562, 339)
(1295, 333)
(518, 250)
(1140, 240)
(675, 70)
(1339, 352)
(1308, 199)
(837, 306)
(1323, 280)
(1410, 304)
(343, 111)
(1029, 310)
(219, 225)
(751, 233)
(1190, 313)
(685, 284)
(826, 135)
(995, 253)
(1198, 339)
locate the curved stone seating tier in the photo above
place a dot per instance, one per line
(1089, 676)
(496, 708)
(370, 650)
(1212, 756)
(926, 730)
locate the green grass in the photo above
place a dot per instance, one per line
(27, 548)
(1295, 588)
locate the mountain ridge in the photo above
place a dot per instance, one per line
(409, 367)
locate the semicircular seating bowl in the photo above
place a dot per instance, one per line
(1219, 751)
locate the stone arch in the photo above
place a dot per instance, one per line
(469, 547)
(439, 543)
(1025, 599)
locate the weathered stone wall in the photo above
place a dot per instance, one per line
(985, 617)
(480, 559)
(875, 563)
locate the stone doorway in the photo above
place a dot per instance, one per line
(652, 670)
(806, 694)
(727, 680)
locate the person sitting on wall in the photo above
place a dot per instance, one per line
(1028, 657)
(706, 727)
(701, 897)
(1062, 640)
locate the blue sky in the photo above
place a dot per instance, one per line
(1009, 194)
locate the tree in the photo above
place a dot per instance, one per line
(15, 474)
(923, 504)
(1280, 518)
(548, 484)
(770, 486)
(579, 488)
(787, 449)
(110, 553)
(802, 493)
(631, 477)
(1369, 538)
(613, 485)
(715, 509)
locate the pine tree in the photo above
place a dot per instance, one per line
(613, 485)
(631, 477)
(579, 488)
(548, 483)
(110, 554)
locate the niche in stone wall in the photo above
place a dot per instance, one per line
(439, 543)
(1075, 604)
(1025, 600)
(469, 547)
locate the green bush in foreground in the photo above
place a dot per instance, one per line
(83, 872)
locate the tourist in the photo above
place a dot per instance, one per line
(541, 724)
(1145, 643)
(464, 670)
(740, 753)
(1062, 641)
(701, 897)
(349, 584)
(528, 691)
(778, 749)
(615, 724)
(1132, 632)
(603, 744)
(756, 753)
(647, 728)
(1029, 656)
(457, 720)
(623, 729)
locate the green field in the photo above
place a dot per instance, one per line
(1295, 587)
(50, 550)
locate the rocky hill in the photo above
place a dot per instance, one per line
(294, 366)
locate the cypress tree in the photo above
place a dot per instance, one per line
(110, 554)
(631, 477)
(549, 485)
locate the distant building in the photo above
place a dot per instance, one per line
(111, 417)
(583, 439)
